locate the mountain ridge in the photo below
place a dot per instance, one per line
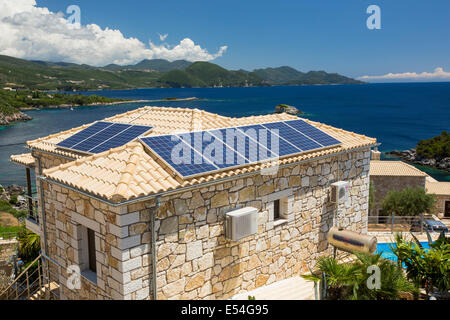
(64, 76)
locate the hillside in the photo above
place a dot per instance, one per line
(11, 102)
(43, 75)
(205, 74)
(290, 76)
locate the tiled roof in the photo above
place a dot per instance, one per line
(439, 188)
(130, 171)
(25, 159)
(164, 120)
(394, 168)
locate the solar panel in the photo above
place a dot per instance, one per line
(178, 154)
(313, 133)
(102, 136)
(196, 153)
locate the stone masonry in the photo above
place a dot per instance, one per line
(193, 258)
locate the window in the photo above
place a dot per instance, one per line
(91, 250)
(276, 209)
(87, 254)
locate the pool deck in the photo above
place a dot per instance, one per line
(387, 237)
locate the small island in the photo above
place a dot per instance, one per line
(434, 152)
(284, 108)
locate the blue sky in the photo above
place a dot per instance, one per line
(307, 35)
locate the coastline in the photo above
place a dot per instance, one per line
(409, 156)
(6, 120)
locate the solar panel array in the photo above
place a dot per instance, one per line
(198, 153)
(102, 136)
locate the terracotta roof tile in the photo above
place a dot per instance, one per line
(439, 188)
(25, 159)
(394, 168)
(130, 171)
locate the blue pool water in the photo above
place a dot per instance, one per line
(386, 252)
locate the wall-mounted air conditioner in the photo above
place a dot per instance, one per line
(340, 191)
(241, 223)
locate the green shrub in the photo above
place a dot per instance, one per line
(437, 147)
(408, 202)
(427, 268)
(13, 200)
(348, 281)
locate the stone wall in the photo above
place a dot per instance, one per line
(122, 262)
(383, 184)
(194, 260)
(440, 205)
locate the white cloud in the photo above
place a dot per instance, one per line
(437, 74)
(32, 32)
(162, 37)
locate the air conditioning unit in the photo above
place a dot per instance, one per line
(241, 223)
(339, 191)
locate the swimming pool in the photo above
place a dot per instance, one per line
(386, 252)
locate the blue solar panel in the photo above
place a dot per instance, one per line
(234, 145)
(178, 154)
(120, 139)
(84, 134)
(294, 138)
(313, 133)
(102, 136)
(196, 153)
(260, 144)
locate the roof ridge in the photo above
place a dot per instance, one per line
(122, 186)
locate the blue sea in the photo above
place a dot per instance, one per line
(398, 115)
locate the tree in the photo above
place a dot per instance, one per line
(408, 202)
(29, 244)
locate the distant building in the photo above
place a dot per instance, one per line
(137, 230)
(442, 192)
(397, 175)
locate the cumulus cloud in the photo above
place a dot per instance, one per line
(32, 32)
(162, 37)
(437, 74)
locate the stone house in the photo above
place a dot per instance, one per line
(393, 175)
(137, 231)
(397, 175)
(442, 192)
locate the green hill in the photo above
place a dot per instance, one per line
(201, 74)
(43, 75)
(290, 76)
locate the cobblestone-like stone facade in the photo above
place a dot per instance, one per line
(193, 258)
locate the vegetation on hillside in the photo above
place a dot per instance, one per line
(435, 148)
(205, 74)
(13, 101)
(408, 202)
(290, 76)
(44, 75)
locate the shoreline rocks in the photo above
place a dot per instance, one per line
(413, 157)
(15, 117)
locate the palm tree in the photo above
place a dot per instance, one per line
(349, 281)
(29, 244)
